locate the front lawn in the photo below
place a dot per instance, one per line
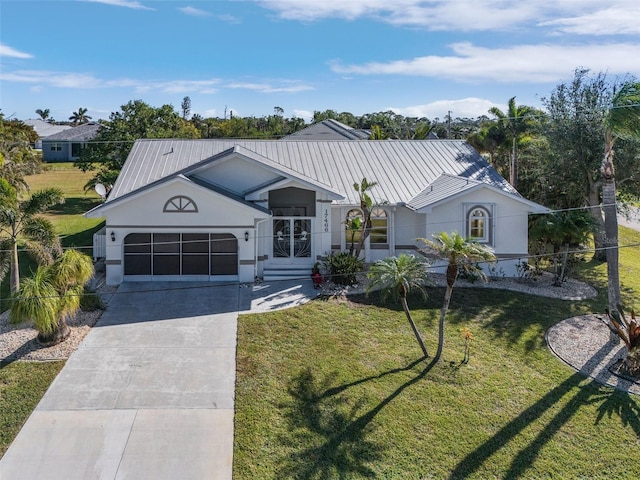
(335, 390)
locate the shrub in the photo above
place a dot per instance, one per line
(91, 301)
(343, 268)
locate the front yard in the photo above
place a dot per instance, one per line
(334, 389)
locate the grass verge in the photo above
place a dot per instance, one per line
(22, 385)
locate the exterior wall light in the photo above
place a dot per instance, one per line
(246, 236)
(113, 236)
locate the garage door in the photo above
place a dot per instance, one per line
(180, 254)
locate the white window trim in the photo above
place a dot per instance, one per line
(489, 210)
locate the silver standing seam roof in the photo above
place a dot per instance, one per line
(415, 173)
(329, 130)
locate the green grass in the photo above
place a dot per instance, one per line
(335, 390)
(22, 385)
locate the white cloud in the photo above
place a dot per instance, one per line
(619, 20)
(134, 4)
(518, 63)
(268, 88)
(7, 51)
(305, 114)
(196, 12)
(86, 80)
(471, 107)
(570, 16)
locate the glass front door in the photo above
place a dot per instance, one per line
(291, 239)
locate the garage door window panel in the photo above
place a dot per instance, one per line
(137, 254)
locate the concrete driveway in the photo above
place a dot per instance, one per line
(148, 395)
(150, 392)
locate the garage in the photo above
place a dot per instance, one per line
(180, 254)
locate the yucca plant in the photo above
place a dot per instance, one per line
(628, 329)
(52, 296)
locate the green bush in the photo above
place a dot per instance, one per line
(91, 301)
(343, 268)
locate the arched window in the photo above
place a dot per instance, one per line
(479, 224)
(180, 204)
(378, 226)
(353, 226)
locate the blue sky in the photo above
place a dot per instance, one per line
(418, 58)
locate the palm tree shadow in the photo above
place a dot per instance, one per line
(527, 456)
(331, 426)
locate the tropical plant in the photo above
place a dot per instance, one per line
(396, 277)
(621, 121)
(516, 121)
(363, 225)
(43, 114)
(17, 158)
(343, 268)
(21, 222)
(80, 116)
(628, 329)
(377, 133)
(459, 253)
(52, 296)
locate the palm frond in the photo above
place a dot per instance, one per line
(37, 301)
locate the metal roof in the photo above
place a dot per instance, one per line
(329, 130)
(44, 129)
(404, 169)
(77, 134)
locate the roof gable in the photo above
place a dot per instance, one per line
(80, 133)
(329, 129)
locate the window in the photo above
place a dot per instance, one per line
(378, 226)
(479, 224)
(353, 226)
(181, 204)
(56, 147)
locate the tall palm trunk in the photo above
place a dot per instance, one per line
(14, 275)
(514, 164)
(405, 307)
(610, 225)
(452, 274)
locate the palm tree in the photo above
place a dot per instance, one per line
(21, 222)
(80, 116)
(52, 296)
(516, 121)
(397, 276)
(622, 121)
(366, 205)
(43, 114)
(459, 253)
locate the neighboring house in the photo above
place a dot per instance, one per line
(66, 146)
(240, 209)
(44, 129)
(329, 130)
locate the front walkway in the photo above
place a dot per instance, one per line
(150, 392)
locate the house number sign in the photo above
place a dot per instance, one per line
(326, 220)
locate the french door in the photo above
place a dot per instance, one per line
(291, 240)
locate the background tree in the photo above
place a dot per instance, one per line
(397, 277)
(22, 222)
(17, 158)
(52, 296)
(622, 120)
(80, 117)
(516, 121)
(459, 253)
(109, 149)
(43, 114)
(571, 171)
(185, 106)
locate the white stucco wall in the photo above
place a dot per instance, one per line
(216, 214)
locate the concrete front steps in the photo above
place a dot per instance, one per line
(290, 272)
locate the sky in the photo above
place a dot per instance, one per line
(416, 57)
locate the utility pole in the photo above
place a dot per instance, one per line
(449, 124)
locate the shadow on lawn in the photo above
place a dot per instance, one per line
(612, 402)
(332, 424)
